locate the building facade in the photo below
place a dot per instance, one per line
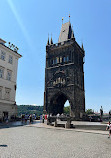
(64, 74)
(8, 76)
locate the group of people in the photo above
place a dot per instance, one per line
(44, 117)
(24, 118)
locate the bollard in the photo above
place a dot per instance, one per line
(68, 123)
(55, 123)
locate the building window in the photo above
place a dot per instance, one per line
(3, 55)
(0, 92)
(7, 93)
(9, 74)
(57, 59)
(60, 59)
(10, 59)
(64, 59)
(67, 58)
(1, 72)
(53, 61)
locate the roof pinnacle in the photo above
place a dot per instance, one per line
(62, 20)
(82, 46)
(48, 40)
(51, 41)
(69, 17)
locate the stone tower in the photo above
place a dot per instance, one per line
(64, 74)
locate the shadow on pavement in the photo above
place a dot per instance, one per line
(17, 124)
(3, 145)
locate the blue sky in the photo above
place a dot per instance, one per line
(26, 23)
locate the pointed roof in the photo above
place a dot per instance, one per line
(48, 41)
(66, 32)
(51, 42)
(72, 35)
(82, 47)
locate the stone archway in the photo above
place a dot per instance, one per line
(57, 103)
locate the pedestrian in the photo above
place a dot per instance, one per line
(26, 117)
(90, 118)
(30, 117)
(109, 128)
(43, 118)
(22, 117)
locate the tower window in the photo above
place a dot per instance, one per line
(64, 59)
(60, 59)
(53, 62)
(67, 58)
(57, 59)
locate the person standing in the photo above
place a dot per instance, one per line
(109, 128)
(30, 117)
(101, 112)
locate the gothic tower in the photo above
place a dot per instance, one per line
(64, 74)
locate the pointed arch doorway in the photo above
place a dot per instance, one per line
(57, 104)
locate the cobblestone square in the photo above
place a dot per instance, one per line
(38, 142)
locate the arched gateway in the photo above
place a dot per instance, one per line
(57, 103)
(64, 75)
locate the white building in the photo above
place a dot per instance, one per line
(8, 76)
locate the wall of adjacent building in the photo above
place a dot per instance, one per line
(8, 103)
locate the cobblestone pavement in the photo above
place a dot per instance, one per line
(37, 142)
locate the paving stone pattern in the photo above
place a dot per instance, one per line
(38, 142)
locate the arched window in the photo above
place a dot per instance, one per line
(67, 58)
(64, 59)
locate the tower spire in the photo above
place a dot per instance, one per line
(48, 40)
(62, 20)
(51, 41)
(69, 17)
(82, 46)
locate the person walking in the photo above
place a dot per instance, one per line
(109, 128)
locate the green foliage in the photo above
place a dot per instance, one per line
(89, 111)
(29, 109)
(67, 110)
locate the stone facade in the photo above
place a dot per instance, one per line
(64, 75)
(8, 75)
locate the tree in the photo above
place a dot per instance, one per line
(89, 111)
(67, 110)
